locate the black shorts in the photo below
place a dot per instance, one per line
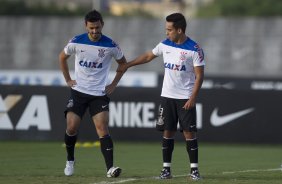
(79, 102)
(171, 112)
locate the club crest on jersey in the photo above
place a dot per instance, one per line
(101, 53)
(182, 56)
(175, 67)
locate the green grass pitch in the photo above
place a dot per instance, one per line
(43, 162)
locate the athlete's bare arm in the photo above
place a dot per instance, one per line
(65, 69)
(110, 88)
(199, 72)
(142, 59)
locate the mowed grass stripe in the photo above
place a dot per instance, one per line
(43, 162)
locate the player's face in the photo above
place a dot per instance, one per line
(172, 33)
(94, 29)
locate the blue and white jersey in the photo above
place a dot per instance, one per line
(179, 62)
(92, 62)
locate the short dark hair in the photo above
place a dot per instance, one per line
(93, 16)
(178, 20)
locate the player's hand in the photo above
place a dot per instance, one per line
(71, 83)
(110, 89)
(189, 104)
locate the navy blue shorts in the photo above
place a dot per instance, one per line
(79, 102)
(171, 112)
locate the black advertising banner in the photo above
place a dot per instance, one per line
(241, 116)
(223, 115)
(32, 112)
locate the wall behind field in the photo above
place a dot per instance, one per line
(233, 47)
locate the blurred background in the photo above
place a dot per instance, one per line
(240, 38)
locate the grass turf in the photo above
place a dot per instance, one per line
(43, 162)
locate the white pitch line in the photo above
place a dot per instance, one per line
(246, 171)
(134, 179)
(184, 175)
(114, 182)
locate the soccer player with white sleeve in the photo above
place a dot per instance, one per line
(93, 57)
(184, 72)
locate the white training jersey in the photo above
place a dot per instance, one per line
(179, 62)
(92, 62)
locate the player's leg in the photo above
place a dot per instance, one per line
(187, 120)
(73, 122)
(101, 124)
(168, 124)
(73, 113)
(192, 150)
(100, 115)
(167, 150)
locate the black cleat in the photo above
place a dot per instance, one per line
(165, 174)
(195, 175)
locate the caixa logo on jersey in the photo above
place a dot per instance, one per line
(175, 67)
(35, 113)
(90, 64)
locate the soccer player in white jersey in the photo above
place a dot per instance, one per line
(183, 77)
(93, 56)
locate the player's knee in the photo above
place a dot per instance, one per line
(168, 134)
(71, 131)
(190, 135)
(72, 128)
(102, 130)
